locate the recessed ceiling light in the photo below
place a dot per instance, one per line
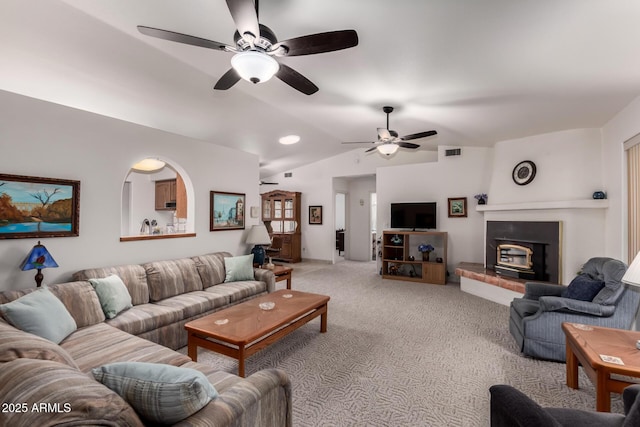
(289, 139)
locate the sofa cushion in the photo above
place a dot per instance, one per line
(211, 268)
(133, 276)
(161, 393)
(40, 313)
(238, 268)
(71, 397)
(146, 317)
(100, 344)
(17, 344)
(85, 314)
(196, 303)
(113, 295)
(172, 277)
(583, 288)
(237, 291)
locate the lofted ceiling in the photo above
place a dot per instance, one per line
(476, 71)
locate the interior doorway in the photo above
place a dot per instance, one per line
(340, 225)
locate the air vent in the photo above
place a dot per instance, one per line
(453, 152)
(288, 174)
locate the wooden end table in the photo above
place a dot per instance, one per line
(282, 273)
(244, 329)
(585, 345)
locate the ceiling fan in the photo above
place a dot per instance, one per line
(267, 183)
(388, 140)
(256, 46)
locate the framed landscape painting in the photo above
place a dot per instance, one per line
(227, 211)
(34, 207)
(457, 207)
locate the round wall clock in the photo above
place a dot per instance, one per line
(524, 172)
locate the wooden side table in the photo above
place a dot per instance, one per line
(586, 344)
(283, 273)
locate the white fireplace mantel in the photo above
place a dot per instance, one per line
(556, 204)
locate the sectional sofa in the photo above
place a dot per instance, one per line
(47, 383)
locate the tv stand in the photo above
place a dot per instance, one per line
(401, 259)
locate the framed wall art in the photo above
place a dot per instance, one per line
(457, 207)
(226, 211)
(315, 214)
(34, 207)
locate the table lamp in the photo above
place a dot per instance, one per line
(632, 277)
(38, 258)
(258, 236)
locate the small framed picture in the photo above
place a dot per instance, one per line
(315, 214)
(457, 207)
(38, 207)
(226, 211)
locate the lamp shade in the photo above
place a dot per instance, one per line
(39, 257)
(254, 66)
(258, 235)
(387, 149)
(632, 276)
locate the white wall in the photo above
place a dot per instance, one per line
(456, 176)
(318, 183)
(620, 128)
(43, 139)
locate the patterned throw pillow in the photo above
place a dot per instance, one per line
(583, 288)
(160, 393)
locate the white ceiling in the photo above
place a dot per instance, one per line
(477, 71)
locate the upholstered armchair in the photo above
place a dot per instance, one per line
(596, 296)
(512, 408)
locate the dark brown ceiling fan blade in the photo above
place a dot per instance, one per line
(182, 38)
(371, 149)
(319, 43)
(407, 145)
(296, 80)
(419, 135)
(229, 78)
(245, 16)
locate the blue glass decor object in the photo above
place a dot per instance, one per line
(598, 195)
(38, 258)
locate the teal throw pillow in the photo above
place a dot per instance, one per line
(239, 268)
(41, 313)
(113, 295)
(160, 393)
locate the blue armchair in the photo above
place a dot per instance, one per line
(535, 319)
(512, 408)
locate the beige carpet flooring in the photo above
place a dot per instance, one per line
(403, 354)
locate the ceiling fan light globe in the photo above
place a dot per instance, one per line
(255, 67)
(387, 149)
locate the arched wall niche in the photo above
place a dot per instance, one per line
(146, 215)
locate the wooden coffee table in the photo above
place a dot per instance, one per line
(248, 329)
(585, 344)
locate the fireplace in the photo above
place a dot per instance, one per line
(521, 259)
(524, 249)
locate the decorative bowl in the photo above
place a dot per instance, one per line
(267, 305)
(287, 296)
(221, 321)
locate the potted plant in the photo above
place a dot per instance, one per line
(426, 249)
(481, 198)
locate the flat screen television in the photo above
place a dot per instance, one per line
(413, 215)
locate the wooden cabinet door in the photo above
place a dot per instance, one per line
(165, 192)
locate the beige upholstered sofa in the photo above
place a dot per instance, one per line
(36, 373)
